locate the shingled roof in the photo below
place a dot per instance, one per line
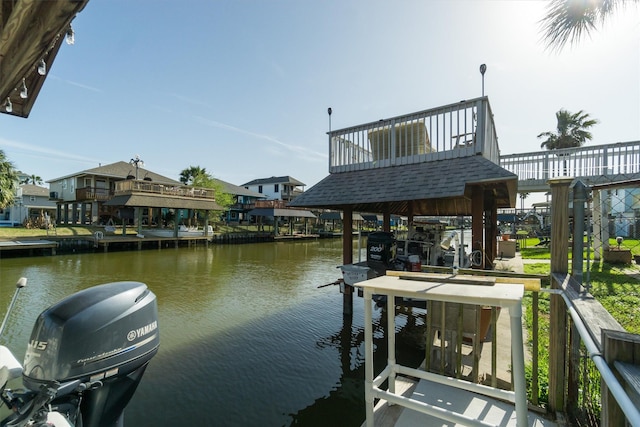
(121, 170)
(441, 187)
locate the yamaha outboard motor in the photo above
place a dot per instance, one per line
(88, 353)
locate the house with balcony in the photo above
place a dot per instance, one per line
(244, 201)
(283, 188)
(123, 192)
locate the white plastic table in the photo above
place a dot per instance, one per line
(508, 296)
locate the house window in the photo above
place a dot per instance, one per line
(276, 188)
(260, 189)
(32, 198)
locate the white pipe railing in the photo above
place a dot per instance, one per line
(456, 130)
(622, 158)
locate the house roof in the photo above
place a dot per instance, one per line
(34, 190)
(441, 187)
(162, 201)
(275, 180)
(30, 31)
(239, 191)
(122, 170)
(273, 212)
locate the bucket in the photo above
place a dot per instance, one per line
(414, 262)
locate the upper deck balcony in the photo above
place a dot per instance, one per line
(462, 129)
(132, 186)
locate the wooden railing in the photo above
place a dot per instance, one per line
(137, 186)
(93, 193)
(457, 130)
(276, 204)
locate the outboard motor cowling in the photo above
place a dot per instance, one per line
(102, 339)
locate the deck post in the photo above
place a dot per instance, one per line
(386, 220)
(491, 233)
(477, 213)
(347, 258)
(558, 312)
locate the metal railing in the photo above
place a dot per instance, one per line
(137, 186)
(456, 130)
(593, 164)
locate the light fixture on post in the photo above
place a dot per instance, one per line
(24, 93)
(42, 67)
(70, 37)
(483, 69)
(138, 163)
(8, 106)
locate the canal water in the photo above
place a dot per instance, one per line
(246, 336)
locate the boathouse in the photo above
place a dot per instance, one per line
(442, 161)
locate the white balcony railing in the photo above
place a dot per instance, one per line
(457, 130)
(621, 159)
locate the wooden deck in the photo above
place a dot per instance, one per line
(28, 245)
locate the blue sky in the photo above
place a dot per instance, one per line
(242, 87)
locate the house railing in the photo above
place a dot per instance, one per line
(457, 130)
(243, 206)
(592, 163)
(137, 186)
(276, 204)
(93, 193)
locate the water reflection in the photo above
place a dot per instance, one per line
(247, 338)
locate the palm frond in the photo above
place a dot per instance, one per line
(567, 21)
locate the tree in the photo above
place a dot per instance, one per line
(523, 196)
(567, 21)
(571, 131)
(188, 175)
(33, 179)
(204, 180)
(8, 181)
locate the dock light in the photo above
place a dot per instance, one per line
(483, 69)
(446, 244)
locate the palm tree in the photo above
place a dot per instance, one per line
(523, 196)
(33, 179)
(568, 20)
(189, 174)
(571, 131)
(8, 181)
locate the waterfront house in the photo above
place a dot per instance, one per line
(244, 200)
(32, 204)
(122, 192)
(283, 188)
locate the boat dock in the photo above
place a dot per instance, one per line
(28, 245)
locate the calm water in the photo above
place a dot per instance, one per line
(247, 338)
